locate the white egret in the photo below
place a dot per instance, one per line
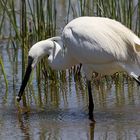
(101, 45)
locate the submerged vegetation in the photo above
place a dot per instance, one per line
(27, 21)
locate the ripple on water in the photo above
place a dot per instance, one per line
(59, 115)
(63, 123)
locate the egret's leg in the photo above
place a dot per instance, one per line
(91, 104)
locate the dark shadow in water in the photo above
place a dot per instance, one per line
(23, 123)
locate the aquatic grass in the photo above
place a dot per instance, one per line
(2, 21)
(38, 21)
(81, 8)
(23, 33)
(42, 16)
(124, 11)
(4, 73)
(9, 8)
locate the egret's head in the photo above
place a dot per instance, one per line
(39, 50)
(36, 52)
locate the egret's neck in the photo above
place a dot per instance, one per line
(61, 59)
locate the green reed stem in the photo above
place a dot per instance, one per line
(10, 11)
(2, 20)
(3, 71)
(23, 33)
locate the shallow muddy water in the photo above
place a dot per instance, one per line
(61, 110)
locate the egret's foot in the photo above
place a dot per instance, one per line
(91, 117)
(18, 98)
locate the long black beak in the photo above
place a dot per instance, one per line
(26, 78)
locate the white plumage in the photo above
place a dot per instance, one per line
(105, 45)
(101, 45)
